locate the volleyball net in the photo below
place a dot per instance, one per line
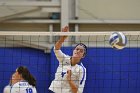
(108, 70)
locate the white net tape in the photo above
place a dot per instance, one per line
(64, 33)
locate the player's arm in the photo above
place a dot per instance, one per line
(59, 54)
(62, 39)
(73, 86)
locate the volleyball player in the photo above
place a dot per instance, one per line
(21, 82)
(70, 77)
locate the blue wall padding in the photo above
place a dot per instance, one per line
(108, 70)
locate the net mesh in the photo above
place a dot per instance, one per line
(108, 70)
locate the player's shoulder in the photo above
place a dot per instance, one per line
(7, 89)
(82, 67)
(66, 58)
(8, 86)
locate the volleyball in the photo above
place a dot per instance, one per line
(117, 40)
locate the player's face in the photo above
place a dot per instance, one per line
(79, 52)
(16, 77)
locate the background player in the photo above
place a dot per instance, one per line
(21, 82)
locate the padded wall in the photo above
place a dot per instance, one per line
(108, 70)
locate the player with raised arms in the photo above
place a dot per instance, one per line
(70, 76)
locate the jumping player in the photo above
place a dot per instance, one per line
(70, 77)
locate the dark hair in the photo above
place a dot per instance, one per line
(26, 75)
(84, 46)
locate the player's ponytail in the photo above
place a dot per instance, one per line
(26, 75)
(32, 80)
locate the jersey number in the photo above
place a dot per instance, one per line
(29, 90)
(62, 74)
